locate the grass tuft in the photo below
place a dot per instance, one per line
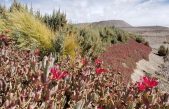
(26, 25)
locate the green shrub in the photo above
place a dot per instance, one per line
(16, 6)
(70, 46)
(107, 35)
(111, 35)
(140, 39)
(2, 25)
(2, 10)
(162, 51)
(27, 29)
(90, 41)
(66, 43)
(56, 21)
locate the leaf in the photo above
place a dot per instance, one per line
(80, 104)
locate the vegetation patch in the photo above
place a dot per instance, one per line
(122, 58)
(163, 51)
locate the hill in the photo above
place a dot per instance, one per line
(155, 35)
(107, 23)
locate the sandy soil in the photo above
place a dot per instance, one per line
(155, 35)
(147, 67)
(154, 67)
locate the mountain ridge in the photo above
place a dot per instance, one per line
(118, 24)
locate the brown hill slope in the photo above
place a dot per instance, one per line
(106, 23)
(109, 23)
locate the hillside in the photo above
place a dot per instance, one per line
(109, 23)
(155, 35)
(48, 63)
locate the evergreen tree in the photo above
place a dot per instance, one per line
(2, 9)
(56, 21)
(16, 6)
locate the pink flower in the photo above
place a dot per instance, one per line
(154, 82)
(100, 70)
(98, 62)
(141, 86)
(150, 82)
(57, 74)
(147, 82)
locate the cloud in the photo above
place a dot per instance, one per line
(135, 12)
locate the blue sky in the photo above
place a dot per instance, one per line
(135, 12)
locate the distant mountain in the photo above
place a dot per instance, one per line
(155, 35)
(106, 23)
(154, 27)
(110, 23)
(141, 30)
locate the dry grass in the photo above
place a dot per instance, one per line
(30, 27)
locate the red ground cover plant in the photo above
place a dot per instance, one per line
(29, 83)
(123, 57)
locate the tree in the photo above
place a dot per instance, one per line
(56, 21)
(2, 9)
(16, 6)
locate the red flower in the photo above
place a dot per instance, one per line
(100, 70)
(141, 86)
(57, 74)
(150, 82)
(98, 62)
(154, 82)
(64, 74)
(147, 82)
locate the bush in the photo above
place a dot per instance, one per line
(140, 39)
(27, 29)
(56, 21)
(111, 35)
(70, 46)
(3, 25)
(147, 44)
(162, 51)
(90, 41)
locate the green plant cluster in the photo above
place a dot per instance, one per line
(163, 51)
(31, 30)
(57, 21)
(113, 35)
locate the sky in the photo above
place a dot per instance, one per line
(134, 12)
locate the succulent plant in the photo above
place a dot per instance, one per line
(27, 82)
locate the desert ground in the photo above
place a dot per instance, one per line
(156, 36)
